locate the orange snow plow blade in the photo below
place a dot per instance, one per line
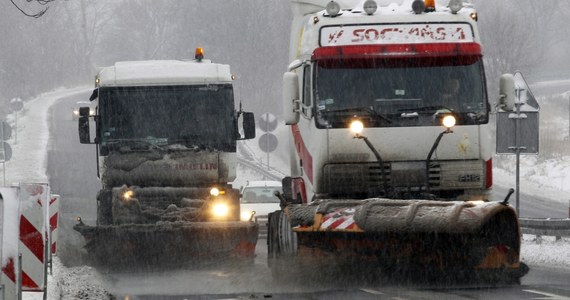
(167, 244)
(466, 237)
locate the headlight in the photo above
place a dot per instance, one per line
(128, 195)
(356, 126)
(220, 210)
(215, 192)
(448, 121)
(246, 215)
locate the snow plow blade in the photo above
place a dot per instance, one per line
(167, 244)
(454, 237)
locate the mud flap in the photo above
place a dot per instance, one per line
(168, 243)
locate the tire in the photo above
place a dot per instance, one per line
(281, 246)
(281, 240)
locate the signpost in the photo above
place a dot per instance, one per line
(267, 142)
(5, 149)
(517, 122)
(16, 105)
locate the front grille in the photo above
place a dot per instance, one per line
(457, 175)
(366, 178)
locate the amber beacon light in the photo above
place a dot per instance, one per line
(199, 54)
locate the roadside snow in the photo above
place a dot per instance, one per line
(28, 164)
(550, 178)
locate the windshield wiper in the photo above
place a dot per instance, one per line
(363, 109)
(426, 109)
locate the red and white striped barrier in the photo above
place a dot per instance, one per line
(24, 230)
(9, 240)
(53, 221)
(33, 212)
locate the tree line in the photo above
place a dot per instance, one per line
(48, 44)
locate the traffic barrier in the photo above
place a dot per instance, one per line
(33, 211)
(9, 240)
(53, 221)
(547, 227)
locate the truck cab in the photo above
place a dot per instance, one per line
(166, 134)
(399, 73)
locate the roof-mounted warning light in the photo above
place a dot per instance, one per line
(418, 6)
(455, 5)
(199, 54)
(430, 5)
(370, 7)
(333, 9)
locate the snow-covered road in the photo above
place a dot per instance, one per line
(28, 164)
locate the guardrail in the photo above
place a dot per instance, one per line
(547, 227)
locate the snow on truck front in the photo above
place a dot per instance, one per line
(166, 133)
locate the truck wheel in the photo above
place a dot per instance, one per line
(287, 237)
(281, 240)
(281, 246)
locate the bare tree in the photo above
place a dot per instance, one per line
(517, 35)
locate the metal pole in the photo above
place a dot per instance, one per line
(46, 255)
(517, 195)
(50, 252)
(16, 129)
(518, 151)
(3, 154)
(267, 140)
(19, 276)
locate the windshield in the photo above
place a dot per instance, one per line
(262, 194)
(169, 115)
(399, 92)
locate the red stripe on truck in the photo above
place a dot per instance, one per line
(489, 177)
(303, 152)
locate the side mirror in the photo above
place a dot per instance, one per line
(248, 126)
(84, 111)
(507, 92)
(291, 101)
(287, 186)
(84, 136)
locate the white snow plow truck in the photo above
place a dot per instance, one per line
(391, 146)
(166, 135)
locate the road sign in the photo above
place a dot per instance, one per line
(528, 137)
(518, 131)
(5, 131)
(16, 104)
(268, 142)
(267, 122)
(5, 151)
